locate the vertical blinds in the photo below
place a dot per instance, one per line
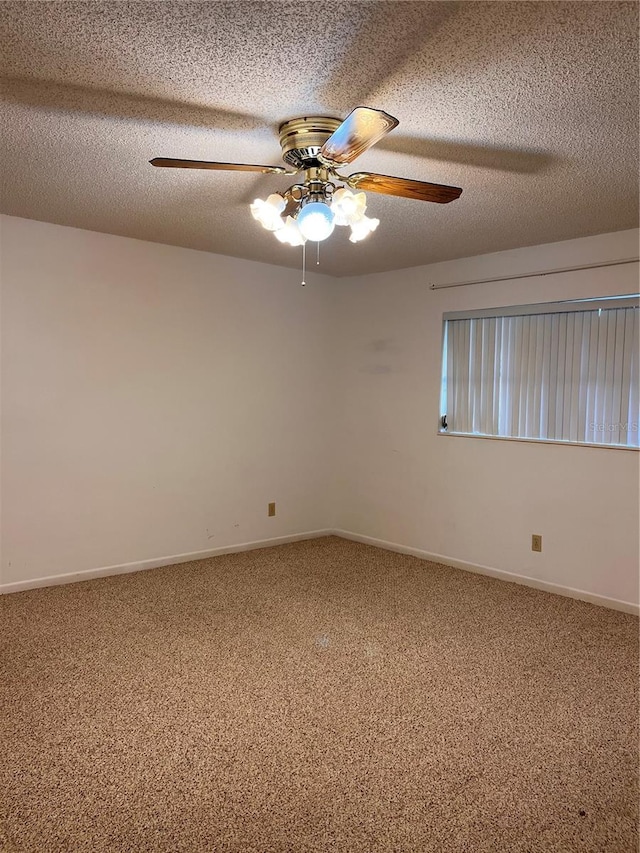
(566, 376)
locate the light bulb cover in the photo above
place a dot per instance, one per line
(290, 233)
(316, 221)
(362, 227)
(347, 206)
(268, 212)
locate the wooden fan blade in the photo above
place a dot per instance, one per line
(361, 129)
(170, 163)
(403, 187)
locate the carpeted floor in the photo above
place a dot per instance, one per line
(319, 696)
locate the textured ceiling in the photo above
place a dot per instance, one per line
(532, 108)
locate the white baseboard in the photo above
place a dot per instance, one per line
(156, 563)
(141, 565)
(582, 595)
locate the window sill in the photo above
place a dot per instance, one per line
(538, 440)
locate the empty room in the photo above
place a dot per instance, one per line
(319, 427)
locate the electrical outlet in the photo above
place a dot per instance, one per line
(271, 511)
(536, 542)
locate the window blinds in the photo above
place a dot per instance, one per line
(561, 376)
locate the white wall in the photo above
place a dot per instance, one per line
(470, 499)
(154, 400)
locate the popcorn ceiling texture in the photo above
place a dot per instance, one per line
(322, 696)
(531, 107)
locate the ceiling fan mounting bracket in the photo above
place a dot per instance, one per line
(302, 138)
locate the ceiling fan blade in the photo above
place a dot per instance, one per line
(170, 163)
(361, 129)
(403, 187)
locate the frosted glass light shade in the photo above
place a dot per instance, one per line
(362, 227)
(316, 221)
(268, 212)
(348, 206)
(290, 233)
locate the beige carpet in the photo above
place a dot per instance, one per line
(319, 696)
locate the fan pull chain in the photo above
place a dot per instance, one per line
(318, 253)
(304, 258)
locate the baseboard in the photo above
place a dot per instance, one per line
(158, 562)
(524, 580)
(175, 559)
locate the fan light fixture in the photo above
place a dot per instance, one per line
(362, 227)
(318, 146)
(347, 206)
(268, 212)
(290, 233)
(316, 220)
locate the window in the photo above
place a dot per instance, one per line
(563, 371)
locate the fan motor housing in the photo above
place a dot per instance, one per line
(302, 138)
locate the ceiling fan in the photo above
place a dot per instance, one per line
(318, 146)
